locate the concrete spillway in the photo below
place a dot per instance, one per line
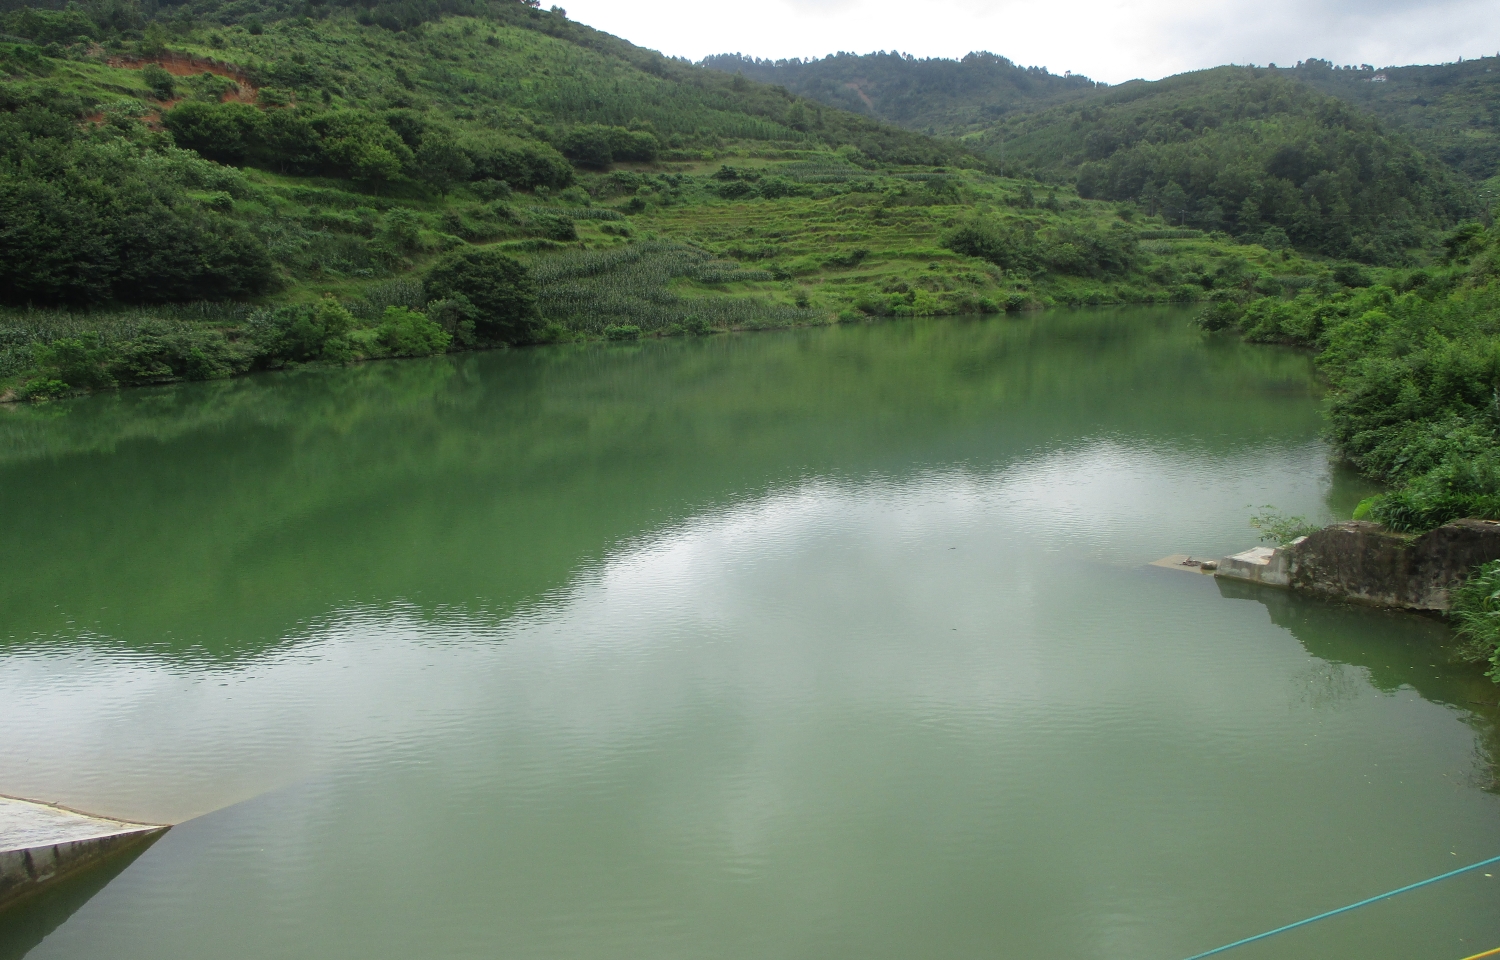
(41, 844)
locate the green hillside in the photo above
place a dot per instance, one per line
(933, 95)
(222, 189)
(1249, 152)
(1450, 110)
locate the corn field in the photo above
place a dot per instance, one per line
(813, 172)
(590, 290)
(21, 331)
(580, 213)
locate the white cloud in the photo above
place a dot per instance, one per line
(1108, 40)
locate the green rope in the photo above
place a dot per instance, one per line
(1352, 906)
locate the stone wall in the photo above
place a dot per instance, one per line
(1365, 562)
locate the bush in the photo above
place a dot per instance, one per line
(406, 333)
(160, 354)
(595, 145)
(498, 288)
(304, 333)
(43, 389)
(1279, 528)
(553, 226)
(1476, 611)
(455, 315)
(222, 132)
(1350, 275)
(516, 163)
(622, 331)
(101, 224)
(50, 26)
(1000, 244)
(80, 362)
(162, 84)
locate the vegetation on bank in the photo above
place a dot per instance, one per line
(1414, 365)
(1413, 362)
(1476, 612)
(212, 191)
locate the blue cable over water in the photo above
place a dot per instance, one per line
(1352, 906)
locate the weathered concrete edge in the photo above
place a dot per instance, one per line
(29, 870)
(1365, 563)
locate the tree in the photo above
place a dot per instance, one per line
(442, 163)
(588, 146)
(160, 81)
(406, 333)
(224, 132)
(1174, 202)
(499, 289)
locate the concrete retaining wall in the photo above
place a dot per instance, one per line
(41, 844)
(1365, 562)
(1258, 565)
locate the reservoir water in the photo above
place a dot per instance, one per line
(834, 643)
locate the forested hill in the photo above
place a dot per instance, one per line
(1244, 150)
(1451, 110)
(934, 96)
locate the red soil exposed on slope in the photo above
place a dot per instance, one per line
(183, 65)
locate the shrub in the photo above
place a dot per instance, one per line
(498, 288)
(1279, 528)
(159, 354)
(43, 389)
(517, 163)
(553, 227)
(110, 225)
(1476, 611)
(303, 333)
(595, 145)
(455, 315)
(1000, 244)
(80, 362)
(222, 132)
(622, 331)
(406, 333)
(160, 81)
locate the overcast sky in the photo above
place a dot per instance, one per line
(1109, 40)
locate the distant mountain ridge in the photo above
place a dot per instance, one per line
(935, 96)
(1451, 110)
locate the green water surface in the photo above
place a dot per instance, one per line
(836, 643)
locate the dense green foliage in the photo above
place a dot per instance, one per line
(490, 290)
(1415, 368)
(1450, 110)
(97, 217)
(1254, 151)
(1476, 611)
(1243, 150)
(933, 95)
(1070, 250)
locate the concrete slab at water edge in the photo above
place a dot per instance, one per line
(1364, 562)
(1258, 565)
(41, 844)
